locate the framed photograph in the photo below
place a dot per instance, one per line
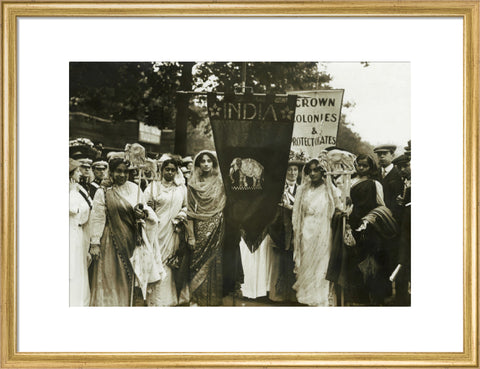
(195, 126)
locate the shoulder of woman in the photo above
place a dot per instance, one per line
(131, 186)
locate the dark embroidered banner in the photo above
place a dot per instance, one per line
(252, 136)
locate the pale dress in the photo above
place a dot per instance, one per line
(170, 200)
(256, 269)
(312, 247)
(79, 242)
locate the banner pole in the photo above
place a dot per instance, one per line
(244, 76)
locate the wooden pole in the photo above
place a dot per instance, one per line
(181, 105)
(244, 76)
(345, 193)
(134, 278)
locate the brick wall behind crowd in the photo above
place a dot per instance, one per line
(114, 135)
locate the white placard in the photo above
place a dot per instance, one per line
(317, 116)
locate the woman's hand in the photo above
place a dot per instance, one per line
(181, 217)
(288, 206)
(150, 203)
(94, 251)
(191, 243)
(139, 211)
(400, 200)
(349, 209)
(363, 226)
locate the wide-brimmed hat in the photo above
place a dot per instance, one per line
(296, 158)
(298, 163)
(115, 155)
(82, 148)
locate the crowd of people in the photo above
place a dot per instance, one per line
(320, 250)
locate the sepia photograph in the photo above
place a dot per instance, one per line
(242, 184)
(245, 169)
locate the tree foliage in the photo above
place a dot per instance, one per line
(146, 91)
(263, 77)
(121, 91)
(351, 141)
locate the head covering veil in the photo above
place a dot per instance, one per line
(332, 192)
(179, 179)
(206, 194)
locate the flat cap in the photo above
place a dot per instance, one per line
(101, 164)
(85, 162)
(402, 159)
(381, 148)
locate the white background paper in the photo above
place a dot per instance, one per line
(434, 49)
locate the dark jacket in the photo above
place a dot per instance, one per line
(392, 187)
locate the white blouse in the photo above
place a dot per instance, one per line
(129, 191)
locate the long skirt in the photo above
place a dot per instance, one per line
(206, 284)
(112, 276)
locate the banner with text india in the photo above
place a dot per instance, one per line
(252, 135)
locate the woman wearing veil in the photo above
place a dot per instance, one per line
(206, 201)
(313, 210)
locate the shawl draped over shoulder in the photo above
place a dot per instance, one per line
(206, 195)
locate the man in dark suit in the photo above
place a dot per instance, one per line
(402, 279)
(389, 176)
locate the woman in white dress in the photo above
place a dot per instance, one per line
(79, 209)
(312, 214)
(168, 198)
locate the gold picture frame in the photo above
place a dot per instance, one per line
(467, 10)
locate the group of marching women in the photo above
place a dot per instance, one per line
(166, 219)
(163, 240)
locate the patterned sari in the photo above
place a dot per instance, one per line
(122, 242)
(206, 200)
(206, 285)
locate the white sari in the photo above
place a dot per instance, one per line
(170, 201)
(312, 216)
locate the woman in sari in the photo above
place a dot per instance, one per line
(313, 210)
(169, 200)
(371, 223)
(206, 201)
(116, 230)
(80, 204)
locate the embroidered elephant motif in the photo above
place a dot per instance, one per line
(246, 173)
